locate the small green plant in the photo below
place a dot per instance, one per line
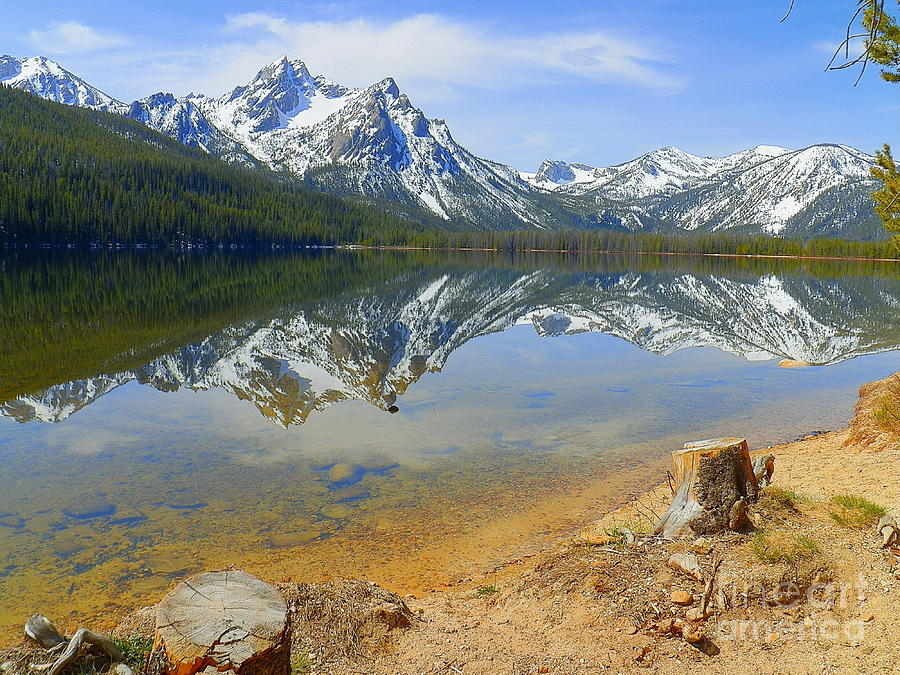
(486, 590)
(853, 511)
(300, 663)
(619, 533)
(773, 547)
(135, 648)
(618, 537)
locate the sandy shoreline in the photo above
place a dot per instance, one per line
(573, 603)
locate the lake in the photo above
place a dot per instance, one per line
(408, 417)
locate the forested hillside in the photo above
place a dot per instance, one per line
(76, 176)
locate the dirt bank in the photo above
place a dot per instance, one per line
(604, 607)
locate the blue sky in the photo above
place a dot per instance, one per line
(598, 81)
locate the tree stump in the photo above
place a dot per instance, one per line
(715, 483)
(222, 621)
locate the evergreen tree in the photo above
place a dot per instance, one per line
(884, 48)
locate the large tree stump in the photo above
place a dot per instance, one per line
(715, 483)
(224, 621)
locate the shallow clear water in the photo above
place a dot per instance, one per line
(396, 416)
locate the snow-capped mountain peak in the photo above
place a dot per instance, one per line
(282, 94)
(554, 171)
(47, 79)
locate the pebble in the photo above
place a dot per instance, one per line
(639, 653)
(682, 598)
(701, 546)
(665, 626)
(866, 617)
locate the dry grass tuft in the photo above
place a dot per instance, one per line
(21, 660)
(853, 511)
(779, 498)
(340, 619)
(786, 547)
(887, 409)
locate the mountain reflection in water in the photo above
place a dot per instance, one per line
(294, 334)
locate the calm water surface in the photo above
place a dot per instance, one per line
(397, 416)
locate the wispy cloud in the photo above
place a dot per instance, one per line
(71, 37)
(434, 58)
(841, 51)
(440, 52)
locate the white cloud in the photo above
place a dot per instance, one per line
(434, 58)
(842, 52)
(71, 37)
(441, 53)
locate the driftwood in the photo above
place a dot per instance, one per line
(716, 481)
(890, 533)
(40, 629)
(226, 621)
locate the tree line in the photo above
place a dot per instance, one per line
(71, 176)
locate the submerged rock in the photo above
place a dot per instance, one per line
(90, 510)
(346, 474)
(336, 511)
(290, 539)
(351, 493)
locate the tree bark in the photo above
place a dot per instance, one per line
(763, 468)
(715, 481)
(230, 621)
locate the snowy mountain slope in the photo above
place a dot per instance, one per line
(779, 193)
(375, 144)
(816, 191)
(372, 347)
(660, 172)
(47, 79)
(181, 119)
(283, 94)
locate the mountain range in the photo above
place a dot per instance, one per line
(372, 344)
(375, 144)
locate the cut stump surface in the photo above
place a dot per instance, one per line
(226, 621)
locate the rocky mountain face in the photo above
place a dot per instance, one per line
(374, 143)
(373, 346)
(822, 190)
(183, 120)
